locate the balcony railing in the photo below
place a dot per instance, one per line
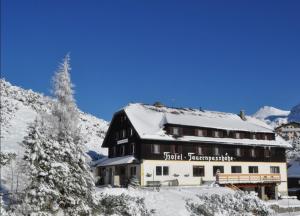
(248, 178)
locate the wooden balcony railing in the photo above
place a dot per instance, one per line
(248, 178)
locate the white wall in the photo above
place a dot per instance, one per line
(186, 167)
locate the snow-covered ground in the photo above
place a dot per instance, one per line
(168, 200)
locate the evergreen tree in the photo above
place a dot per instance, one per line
(59, 177)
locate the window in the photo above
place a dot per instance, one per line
(198, 171)
(124, 133)
(238, 152)
(132, 148)
(216, 151)
(162, 170)
(131, 131)
(117, 135)
(253, 169)
(172, 149)
(133, 171)
(114, 152)
(123, 150)
(200, 133)
(267, 152)
(216, 133)
(237, 135)
(275, 169)
(165, 170)
(199, 150)
(236, 169)
(175, 131)
(156, 149)
(218, 168)
(253, 153)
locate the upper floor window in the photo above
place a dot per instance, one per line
(122, 150)
(237, 135)
(132, 148)
(131, 131)
(253, 136)
(238, 152)
(117, 135)
(199, 150)
(275, 169)
(216, 151)
(267, 152)
(124, 133)
(114, 152)
(253, 153)
(155, 149)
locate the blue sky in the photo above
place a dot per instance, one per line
(219, 55)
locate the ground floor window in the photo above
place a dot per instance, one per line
(198, 171)
(218, 168)
(275, 169)
(253, 169)
(162, 170)
(236, 169)
(133, 171)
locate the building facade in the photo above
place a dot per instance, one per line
(175, 146)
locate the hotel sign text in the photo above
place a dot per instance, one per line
(193, 157)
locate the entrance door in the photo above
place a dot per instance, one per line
(110, 176)
(123, 176)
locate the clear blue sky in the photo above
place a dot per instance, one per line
(219, 55)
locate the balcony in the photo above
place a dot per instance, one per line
(248, 178)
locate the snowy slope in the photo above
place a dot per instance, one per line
(20, 107)
(272, 116)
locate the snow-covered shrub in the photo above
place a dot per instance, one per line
(6, 157)
(133, 182)
(235, 204)
(123, 205)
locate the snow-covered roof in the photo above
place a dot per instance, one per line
(149, 123)
(117, 161)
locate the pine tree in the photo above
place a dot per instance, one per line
(59, 177)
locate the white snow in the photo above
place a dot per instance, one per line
(149, 123)
(169, 200)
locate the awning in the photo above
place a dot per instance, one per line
(118, 161)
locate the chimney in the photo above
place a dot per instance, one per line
(242, 115)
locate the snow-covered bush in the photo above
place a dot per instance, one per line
(134, 182)
(235, 204)
(123, 205)
(6, 158)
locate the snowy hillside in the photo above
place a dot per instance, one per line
(272, 116)
(20, 107)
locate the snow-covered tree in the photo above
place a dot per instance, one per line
(65, 110)
(59, 177)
